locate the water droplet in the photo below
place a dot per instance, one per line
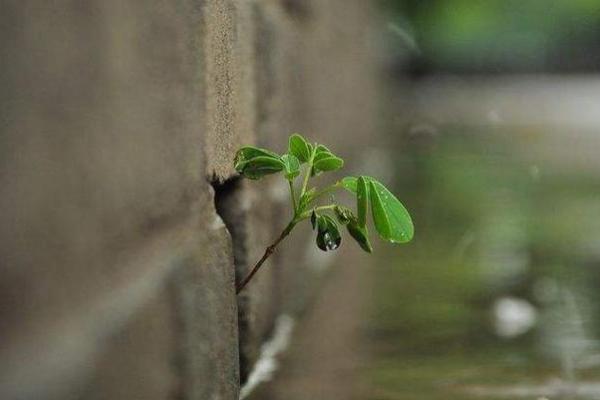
(329, 242)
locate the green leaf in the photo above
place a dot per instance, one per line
(306, 198)
(257, 167)
(291, 165)
(392, 221)
(349, 183)
(327, 163)
(343, 214)
(325, 160)
(313, 219)
(299, 147)
(360, 234)
(254, 162)
(328, 235)
(322, 222)
(322, 149)
(362, 200)
(248, 152)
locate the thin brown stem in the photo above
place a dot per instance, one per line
(269, 250)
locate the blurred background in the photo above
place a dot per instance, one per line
(491, 116)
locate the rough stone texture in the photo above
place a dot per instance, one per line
(103, 192)
(230, 84)
(116, 271)
(208, 347)
(328, 345)
(138, 361)
(236, 204)
(340, 67)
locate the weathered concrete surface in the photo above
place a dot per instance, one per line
(341, 64)
(237, 204)
(230, 85)
(103, 197)
(137, 361)
(205, 293)
(328, 348)
(116, 272)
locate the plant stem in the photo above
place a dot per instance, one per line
(308, 169)
(306, 214)
(293, 195)
(269, 250)
(322, 208)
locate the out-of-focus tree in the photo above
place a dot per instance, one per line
(501, 35)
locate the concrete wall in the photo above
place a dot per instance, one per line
(116, 119)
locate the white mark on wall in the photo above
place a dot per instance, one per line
(217, 223)
(267, 363)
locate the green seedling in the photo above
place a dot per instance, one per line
(390, 218)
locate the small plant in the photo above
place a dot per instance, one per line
(392, 221)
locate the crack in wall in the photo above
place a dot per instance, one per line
(231, 206)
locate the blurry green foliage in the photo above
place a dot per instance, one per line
(512, 34)
(480, 205)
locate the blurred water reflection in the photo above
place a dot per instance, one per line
(496, 297)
